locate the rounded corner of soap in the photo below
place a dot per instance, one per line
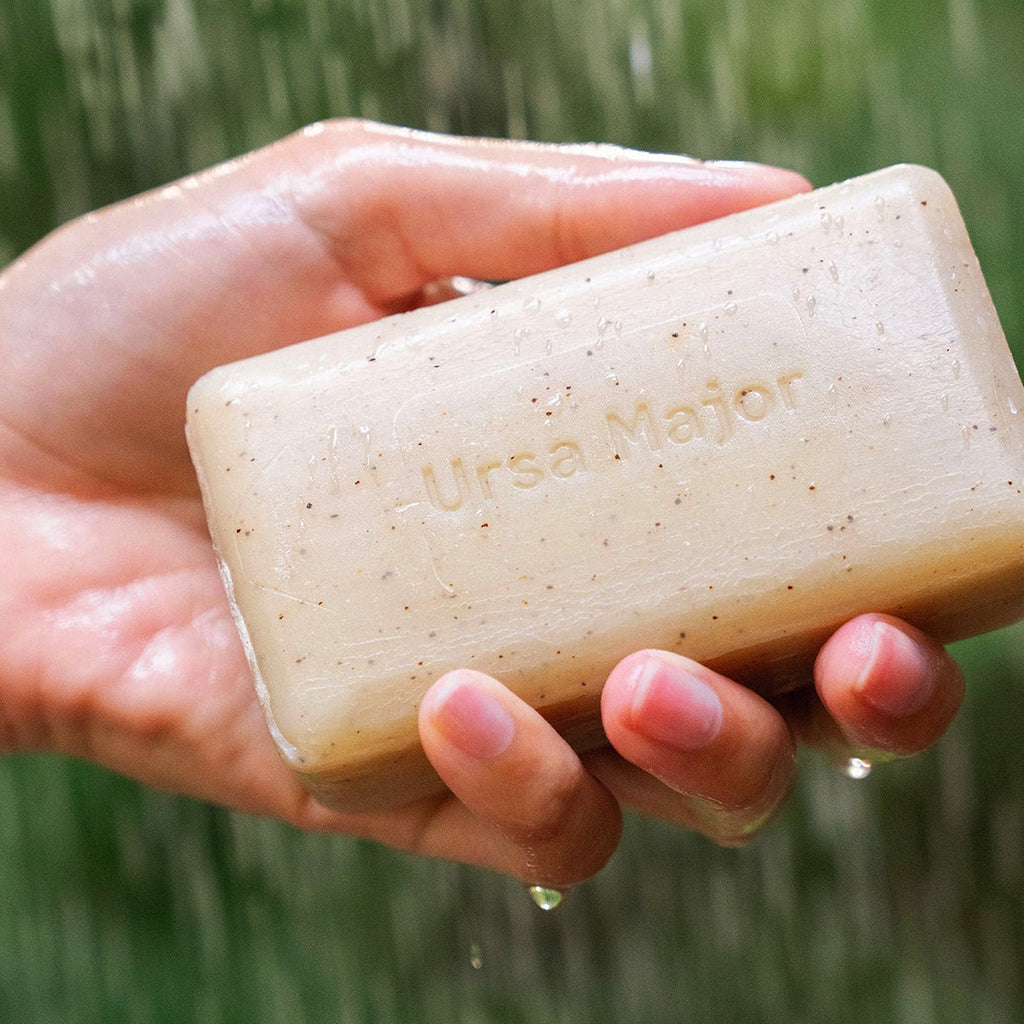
(298, 757)
(923, 182)
(198, 394)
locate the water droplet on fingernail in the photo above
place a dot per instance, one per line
(857, 768)
(545, 898)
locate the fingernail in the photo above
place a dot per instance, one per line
(471, 719)
(896, 677)
(672, 705)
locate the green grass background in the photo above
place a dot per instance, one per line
(898, 899)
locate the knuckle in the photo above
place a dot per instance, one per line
(548, 817)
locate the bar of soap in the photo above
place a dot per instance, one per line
(723, 442)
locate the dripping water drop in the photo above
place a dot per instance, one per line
(857, 768)
(545, 897)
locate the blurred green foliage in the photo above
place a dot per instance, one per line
(898, 899)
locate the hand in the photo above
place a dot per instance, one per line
(117, 643)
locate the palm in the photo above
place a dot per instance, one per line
(113, 593)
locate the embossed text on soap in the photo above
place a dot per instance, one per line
(708, 416)
(566, 428)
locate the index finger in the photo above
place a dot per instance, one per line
(427, 206)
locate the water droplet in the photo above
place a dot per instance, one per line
(857, 768)
(956, 369)
(333, 460)
(812, 303)
(545, 898)
(532, 305)
(839, 222)
(555, 403)
(476, 960)
(730, 308)
(705, 339)
(880, 208)
(886, 420)
(364, 433)
(650, 277)
(796, 293)
(563, 317)
(617, 327)
(966, 431)
(1011, 405)
(517, 339)
(772, 238)
(603, 324)
(945, 401)
(826, 220)
(833, 397)
(833, 270)
(880, 327)
(547, 347)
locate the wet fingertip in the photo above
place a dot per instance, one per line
(896, 674)
(787, 180)
(468, 716)
(668, 702)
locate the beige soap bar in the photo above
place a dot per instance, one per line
(723, 442)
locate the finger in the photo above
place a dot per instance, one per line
(402, 208)
(723, 751)
(533, 810)
(887, 685)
